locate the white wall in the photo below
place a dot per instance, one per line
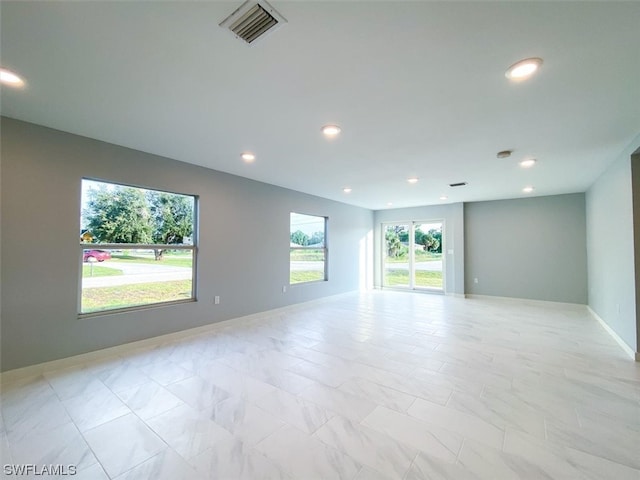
(243, 244)
(610, 246)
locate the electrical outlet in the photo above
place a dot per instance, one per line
(475, 280)
(284, 289)
(216, 300)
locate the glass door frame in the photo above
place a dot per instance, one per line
(411, 257)
(383, 252)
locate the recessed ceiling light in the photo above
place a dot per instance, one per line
(331, 130)
(389, 204)
(412, 179)
(248, 157)
(444, 197)
(523, 69)
(528, 189)
(7, 77)
(528, 162)
(346, 190)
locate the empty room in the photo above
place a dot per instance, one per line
(314, 240)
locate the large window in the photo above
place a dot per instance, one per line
(308, 249)
(136, 247)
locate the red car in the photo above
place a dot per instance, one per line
(95, 255)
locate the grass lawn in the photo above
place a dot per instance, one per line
(98, 271)
(420, 255)
(306, 255)
(167, 259)
(106, 298)
(424, 278)
(300, 276)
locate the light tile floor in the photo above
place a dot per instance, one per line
(379, 385)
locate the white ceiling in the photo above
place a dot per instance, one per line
(418, 88)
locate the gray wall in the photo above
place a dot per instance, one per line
(532, 248)
(526, 248)
(453, 239)
(41, 187)
(635, 185)
(610, 246)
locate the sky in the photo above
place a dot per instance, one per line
(306, 223)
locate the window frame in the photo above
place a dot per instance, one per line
(193, 247)
(324, 248)
(411, 261)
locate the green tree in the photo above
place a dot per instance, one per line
(430, 241)
(437, 240)
(393, 243)
(316, 238)
(427, 241)
(172, 217)
(300, 238)
(118, 215)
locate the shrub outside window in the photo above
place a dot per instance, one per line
(136, 247)
(308, 248)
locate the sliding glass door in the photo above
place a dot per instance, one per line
(412, 256)
(396, 255)
(427, 255)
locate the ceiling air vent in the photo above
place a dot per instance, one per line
(459, 184)
(252, 20)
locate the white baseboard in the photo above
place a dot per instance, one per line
(456, 295)
(628, 350)
(105, 354)
(526, 301)
(18, 374)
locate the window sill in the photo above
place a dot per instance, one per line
(117, 311)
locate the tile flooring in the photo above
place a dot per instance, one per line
(378, 385)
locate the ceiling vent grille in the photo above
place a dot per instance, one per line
(252, 20)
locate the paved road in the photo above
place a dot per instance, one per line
(313, 266)
(434, 266)
(133, 273)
